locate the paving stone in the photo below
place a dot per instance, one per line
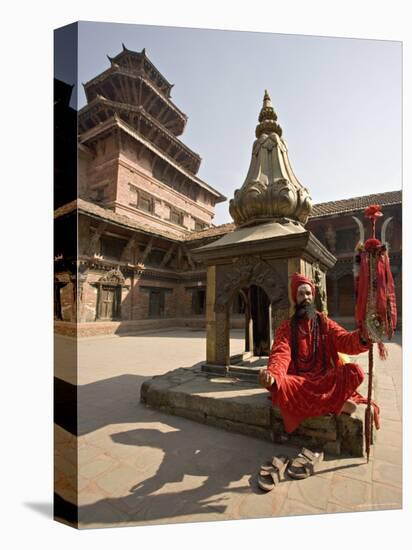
(88, 453)
(66, 488)
(263, 505)
(389, 453)
(350, 493)
(391, 426)
(293, 507)
(102, 513)
(356, 469)
(385, 497)
(118, 481)
(384, 472)
(95, 468)
(390, 437)
(91, 494)
(312, 491)
(328, 467)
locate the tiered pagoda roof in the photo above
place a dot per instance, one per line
(133, 80)
(134, 96)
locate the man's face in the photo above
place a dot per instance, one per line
(304, 295)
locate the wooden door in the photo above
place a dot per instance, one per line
(156, 303)
(107, 302)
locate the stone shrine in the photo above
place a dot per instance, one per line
(268, 245)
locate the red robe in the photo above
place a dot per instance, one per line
(316, 392)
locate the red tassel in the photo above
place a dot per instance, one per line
(383, 352)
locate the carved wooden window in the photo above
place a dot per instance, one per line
(346, 240)
(155, 257)
(176, 217)
(111, 248)
(145, 203)
(100, 194)
(133, 195)
(199, 226)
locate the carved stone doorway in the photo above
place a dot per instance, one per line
(261, 319)
(109, 296)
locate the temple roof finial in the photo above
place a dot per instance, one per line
(267, 118)
(271, 191)
(124, 48)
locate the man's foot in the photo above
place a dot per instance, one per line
(349, 407)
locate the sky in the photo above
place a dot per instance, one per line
(338, 101)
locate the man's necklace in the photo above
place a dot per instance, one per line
(312, 353)
(304, 331)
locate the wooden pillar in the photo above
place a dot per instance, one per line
(217, 325)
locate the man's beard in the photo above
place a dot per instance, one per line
(305, 310)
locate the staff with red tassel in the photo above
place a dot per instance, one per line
(375, 309)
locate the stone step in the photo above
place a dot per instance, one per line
(236, 404)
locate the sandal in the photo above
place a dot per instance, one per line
(272, 473)
(304, 464)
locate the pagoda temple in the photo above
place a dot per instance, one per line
(139, 200)
(131, 159)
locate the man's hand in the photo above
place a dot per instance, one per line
(265, 378)
(364, 338)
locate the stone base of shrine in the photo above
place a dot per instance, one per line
(236, 403)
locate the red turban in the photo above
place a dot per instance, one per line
(297, 280)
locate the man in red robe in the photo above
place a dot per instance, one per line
(305, 374)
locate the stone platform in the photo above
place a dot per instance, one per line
(237, 404)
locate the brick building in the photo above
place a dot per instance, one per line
(124, 234)
(340, 225)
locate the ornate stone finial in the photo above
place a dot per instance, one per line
(143, 52)
(271, 190)
(109, 58)
(267, 118)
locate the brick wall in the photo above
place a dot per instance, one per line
(131, 175)
(88, 299)
(67, 302)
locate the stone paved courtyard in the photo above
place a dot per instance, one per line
(141, 466)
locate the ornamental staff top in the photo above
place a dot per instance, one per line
(271, 190)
